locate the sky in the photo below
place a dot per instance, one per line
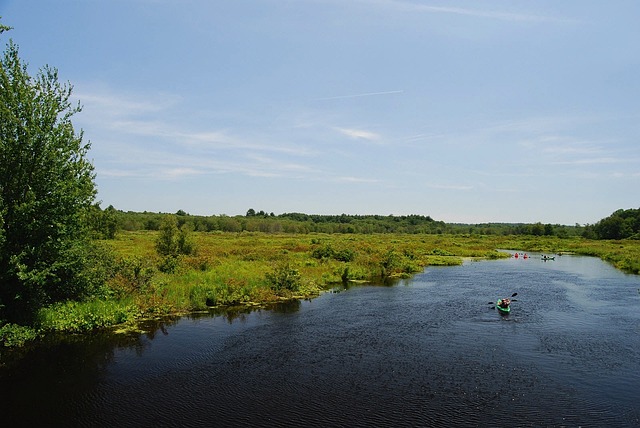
(465, 111)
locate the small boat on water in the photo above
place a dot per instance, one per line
(548, 258)
(502, 310)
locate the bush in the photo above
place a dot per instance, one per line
(344, 255)
(284, 277)
(327, 252)
(132, 275)
(16, 335)
(85, 316)
(324, 252)
(169, 264)
(389, 262)
(174, 241)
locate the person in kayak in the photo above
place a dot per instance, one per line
(504, 303)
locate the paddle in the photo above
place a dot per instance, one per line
(513, 295)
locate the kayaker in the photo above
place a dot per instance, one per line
(504, 303)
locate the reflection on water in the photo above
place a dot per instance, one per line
(429, 351)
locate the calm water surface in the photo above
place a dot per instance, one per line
(429, 351)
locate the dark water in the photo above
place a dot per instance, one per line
(425, 352)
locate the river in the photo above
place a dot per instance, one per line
(428, 351)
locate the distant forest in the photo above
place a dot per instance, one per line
(622, 224)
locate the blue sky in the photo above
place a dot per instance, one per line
(467, 111)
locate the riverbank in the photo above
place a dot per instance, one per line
(257, 269)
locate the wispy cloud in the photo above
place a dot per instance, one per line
(359, 134)
(596, 161)
(450, 186)
(108, 104)
(367, 94)
(357, 180)
(133, 138)
(407, 6)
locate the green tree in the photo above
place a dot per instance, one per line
(46, 192)
(537, 229)
(173, 240)
(103, 223)
(167, 243)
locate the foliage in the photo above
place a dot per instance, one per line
(102, 223)
(621, 224)
(284, 278)
(46, 191)
(173, 240)
(132, 275)
(297, 223)
(14, 335)
(328, 252)
(73, 316)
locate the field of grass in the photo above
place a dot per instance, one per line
(253, 269)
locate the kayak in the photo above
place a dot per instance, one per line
(501, 309)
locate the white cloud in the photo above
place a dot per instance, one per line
(450, 186)
(595, 160)
(357, 180)
(105, 102)
(142, 136)
(367, 94)
(359, 134)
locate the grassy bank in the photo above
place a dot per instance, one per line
(256, 268)
(252, 269)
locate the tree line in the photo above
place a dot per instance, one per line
(110, 220)
(622, 224)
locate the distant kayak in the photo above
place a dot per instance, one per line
(501, 309)
(548, 258)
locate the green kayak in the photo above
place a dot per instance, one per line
(501, 309)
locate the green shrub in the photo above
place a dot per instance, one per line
(388, 263)
(133, 274)
(174, 240)
(344, 255)
(169, 264)
(16, 335)
(324, 252)
(85, 316)
(327, 252)
(439, 252)
(284, 277)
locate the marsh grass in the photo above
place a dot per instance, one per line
(253, 268)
